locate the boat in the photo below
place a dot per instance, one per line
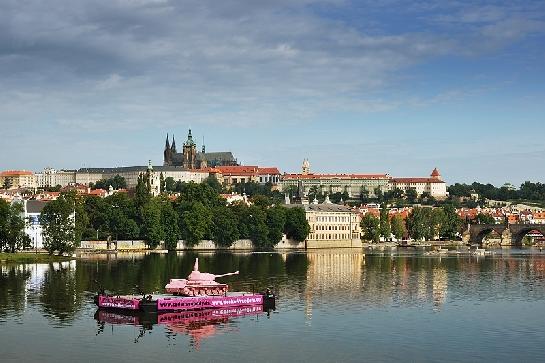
(199, 291)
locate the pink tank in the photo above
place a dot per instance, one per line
(198, 284)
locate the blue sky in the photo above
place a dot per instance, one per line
(355, 86)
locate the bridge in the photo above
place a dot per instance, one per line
(511, 234)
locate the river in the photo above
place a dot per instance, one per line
(333, 305)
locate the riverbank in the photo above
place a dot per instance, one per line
(32, 257)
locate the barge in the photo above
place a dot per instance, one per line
(199, 291)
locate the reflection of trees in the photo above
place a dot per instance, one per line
(59, 293)
(13, 280)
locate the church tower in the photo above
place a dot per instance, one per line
(167, 154)
(305, 169)
(189, 152)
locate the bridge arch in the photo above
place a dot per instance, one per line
(479, 231)
(520, 231)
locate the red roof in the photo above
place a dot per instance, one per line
(16, 172)
(336, 176)
(435, 173)
(416, 180)
(246, 170)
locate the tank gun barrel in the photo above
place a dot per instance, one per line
(227, 274)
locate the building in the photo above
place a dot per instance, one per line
(51, 178)
(32, 210)
(230, 175)
(331, 225)
(191, 159)
(353, 184)
(434, 185)
(131, 173)
(15, 179)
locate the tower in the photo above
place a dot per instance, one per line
(436, 175)
(189, 152)
(173, 147)
(167, 153)
(306, 167)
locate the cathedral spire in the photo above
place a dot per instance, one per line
(167, 145)
(173, 147)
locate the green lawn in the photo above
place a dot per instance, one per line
(30, 257)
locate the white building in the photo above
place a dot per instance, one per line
(32, 210)
(51, 178)
(353, 184)
(434, 185)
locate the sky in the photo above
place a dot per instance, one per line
(382, 86)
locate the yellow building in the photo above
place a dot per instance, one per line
(13, 179)
(331, 226)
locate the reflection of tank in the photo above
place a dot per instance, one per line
(198, 284)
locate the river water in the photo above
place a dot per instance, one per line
(333, 305)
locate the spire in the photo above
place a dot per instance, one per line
(173, 147)
(189, 141)
(203, 147)
(167, 144)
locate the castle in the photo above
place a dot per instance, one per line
(191, 159)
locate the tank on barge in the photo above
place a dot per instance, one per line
(199, 291)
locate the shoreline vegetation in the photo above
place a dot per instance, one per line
(32, 257)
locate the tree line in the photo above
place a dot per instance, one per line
(198, 213)
(527, 191)
(422, 223)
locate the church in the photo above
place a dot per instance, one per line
(191, 159)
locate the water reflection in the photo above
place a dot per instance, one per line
(313, 285)
(197, 325)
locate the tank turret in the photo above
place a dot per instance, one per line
(198, 284)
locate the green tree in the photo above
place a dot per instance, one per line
(452, 223)
(371, 228)
(385, 229)
(484, 219)
(224, 226)
(196, 223)
(411, 195)
(7, 183)
(152, 228)
(398, 227)
(417, 223)
(258, 229)
(296, 227)
(12, 227)
(58, 223)
(117, 182)
(170, 222)
(213, 183)
(276, 221)
(170, 184)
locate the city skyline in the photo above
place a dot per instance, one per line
(371, 87)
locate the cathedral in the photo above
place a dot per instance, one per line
(191, 159)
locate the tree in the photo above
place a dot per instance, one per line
(452, 223)
(170, 184)
(258, 229)
(385, 229)
(398, 227)
(117, 182)
(371, 228)
(7, 183)
(12, 227)
(170, 222)
(59, 228)
(417, 223)
(152, 228)
(296, 227)
(484, 219)
(213, 183)
(276, 221)
(196, 222)
(224, 226)
(411, 195)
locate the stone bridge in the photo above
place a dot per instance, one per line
(511, 234)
